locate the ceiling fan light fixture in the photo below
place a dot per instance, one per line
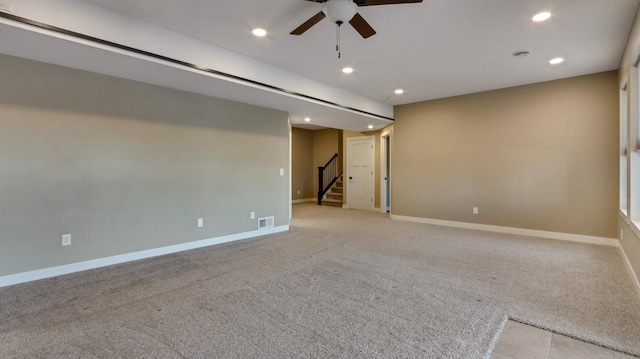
(340, 11)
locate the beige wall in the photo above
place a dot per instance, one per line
(376, 134)
(124, 166)
(542, 157)
(302, 164)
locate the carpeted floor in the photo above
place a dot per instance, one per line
(340, 284)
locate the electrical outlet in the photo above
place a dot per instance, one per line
(5, 5)
(200, 222)
(66, 239)
(298, 191)
(282, 172)
(475, 210)
(253, 215)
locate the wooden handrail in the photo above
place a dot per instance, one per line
(327, 174)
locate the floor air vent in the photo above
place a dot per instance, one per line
(266, 222)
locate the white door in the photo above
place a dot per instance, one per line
(360, 172)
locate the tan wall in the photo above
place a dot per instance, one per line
(124, 166)
(376, 134)
(302, 164)
(542, 157)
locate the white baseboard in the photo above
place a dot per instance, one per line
(304, 200)
(630, 268)
(517, 231)
(128, 257)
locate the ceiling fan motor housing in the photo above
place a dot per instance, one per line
(340, 11)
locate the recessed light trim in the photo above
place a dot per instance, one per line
(398, 91)
(556, 61)
(539, 17)
(259, 32)
(347, 70)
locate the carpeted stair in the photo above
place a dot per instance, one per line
(335, 195)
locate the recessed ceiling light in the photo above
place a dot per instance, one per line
(398, 91)
(556, 61)
(370, 127)
(259, 32)
(307, 119)
(542, 16)
(347, 70)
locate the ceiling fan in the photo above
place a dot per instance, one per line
(341, 11)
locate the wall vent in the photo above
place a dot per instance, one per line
(266, 222)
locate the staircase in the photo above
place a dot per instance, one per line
(335, 195)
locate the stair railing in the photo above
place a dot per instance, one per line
(327, 176)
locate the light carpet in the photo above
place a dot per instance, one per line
(340, 284)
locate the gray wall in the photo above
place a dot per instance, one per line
(124, 166)
(541, 157)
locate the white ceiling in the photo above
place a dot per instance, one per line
(434, 49)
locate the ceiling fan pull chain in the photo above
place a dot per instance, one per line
(338, 23)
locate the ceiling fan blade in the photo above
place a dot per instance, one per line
(384, 2)
(362, 26)
(308, 24)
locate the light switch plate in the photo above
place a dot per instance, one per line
(66, 239)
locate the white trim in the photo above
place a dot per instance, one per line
(622, 215)
(634, 229)
(128, 257)
(290, 177)
(630, 268)
(517, 231)
(304, 200)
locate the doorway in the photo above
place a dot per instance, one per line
(360, 172)
(385, 171)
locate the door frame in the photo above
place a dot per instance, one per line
(385, 135)
(373, 166)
